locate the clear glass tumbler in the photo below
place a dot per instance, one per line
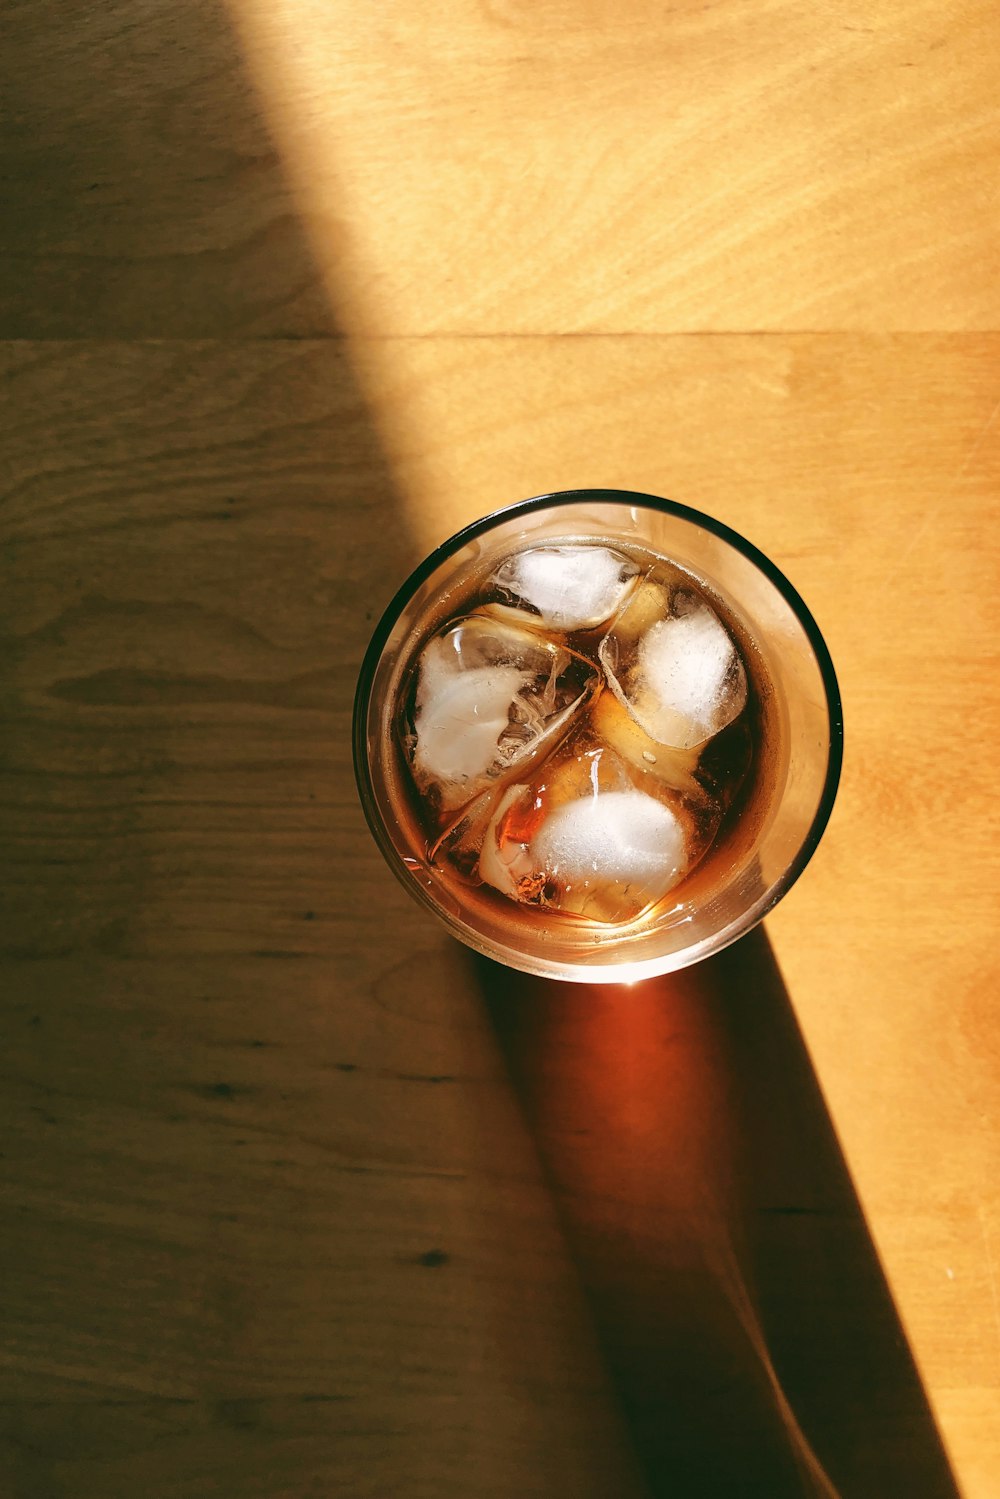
(780, 821)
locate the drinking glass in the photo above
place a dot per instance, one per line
(797, 759)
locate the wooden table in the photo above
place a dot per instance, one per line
(298, 1199)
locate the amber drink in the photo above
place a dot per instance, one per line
(578, 725)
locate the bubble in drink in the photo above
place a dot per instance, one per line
(582, 758)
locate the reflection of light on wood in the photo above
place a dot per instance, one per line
(812, 1469)
(669, 1111)
(702, 1191)
(644, 1064)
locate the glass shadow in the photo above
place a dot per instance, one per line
(748, 1327)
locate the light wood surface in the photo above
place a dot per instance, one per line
(297, 1197)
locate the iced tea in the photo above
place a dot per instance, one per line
(581, 732)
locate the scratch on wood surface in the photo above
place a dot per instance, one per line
(973, 452)
(911, 545)
(991, 1269)
(941, 506)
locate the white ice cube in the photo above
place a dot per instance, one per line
(686, 681)
(624, 837)
(571, 587)
(488, 696)
(460, 716)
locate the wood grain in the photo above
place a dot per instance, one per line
(297, 1199)
(273, 1225)
(582, 166)
(144, 197)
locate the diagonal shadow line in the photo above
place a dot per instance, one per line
(744, 1314)
(747, 1324)
(736, 1288)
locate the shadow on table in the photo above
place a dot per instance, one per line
(743, 1312)
(748, 1327)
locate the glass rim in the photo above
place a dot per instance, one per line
(634, 499)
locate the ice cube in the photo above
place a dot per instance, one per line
(585, 838)
(623, 837)
(682, 678)
(569, 587)
(488, 695)
(608, 857)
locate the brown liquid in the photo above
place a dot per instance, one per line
(713, 791)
